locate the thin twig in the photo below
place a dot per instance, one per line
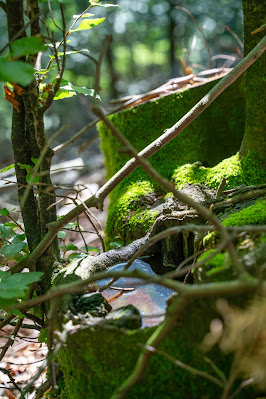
(186, 367)
(200, 30)
(50, 357)
(241, 44)
(191, 291)
(10, 341)
(22, 30)
(61, 68)
(98, 198)
(12, 380)
(169, 187)
(106, 43)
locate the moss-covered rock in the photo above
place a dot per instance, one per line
(209, 139)
(251, 247)
(97, 360)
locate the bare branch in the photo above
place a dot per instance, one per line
(97, 199)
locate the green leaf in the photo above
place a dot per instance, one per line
(70, 225)
(77, 255)
(90, 248)
(11, 250)
(85, 91)
(11, 224)
(69, 247)
(18, 238)
(95, 3)
(26, 46)
(6, 302)
(61, 234)
(83, 16)
(29, 169)
(25, 166)
(43, 336)
(16, 71)
(7, 168)
(4, 212)
(15, 286)
(35, 160)
(6, 232)
(68, 90)
(88, 24)
(70, 52)
(61, 94)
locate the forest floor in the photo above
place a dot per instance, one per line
(26, 355)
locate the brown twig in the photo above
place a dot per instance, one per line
(11, 340)
(98, 198)
(186, 367)
(12, 380)
(22, 30)
(106, 43)
(169, 187)
(241, 44)
(200, 30)
(61, 68)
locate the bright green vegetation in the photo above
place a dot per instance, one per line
(236, 171)
(97, 360)
(209, 139)
(218, 268)
(203, 153)
(254, 214)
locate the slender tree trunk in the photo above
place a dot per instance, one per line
(171, 38)
(21, 150)
(28, 141)
(254, 138)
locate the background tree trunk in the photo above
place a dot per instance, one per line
(254, 139)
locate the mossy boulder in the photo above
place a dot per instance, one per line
(214, 135)
(97, 360)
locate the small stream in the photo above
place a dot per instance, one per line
(150, 299)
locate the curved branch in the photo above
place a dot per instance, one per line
(97, 199)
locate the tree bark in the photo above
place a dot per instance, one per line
(254, 138)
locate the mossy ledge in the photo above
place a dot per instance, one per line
(209, 139)
(131, 213)
(97, 360)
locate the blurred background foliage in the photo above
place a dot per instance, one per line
(148, 37)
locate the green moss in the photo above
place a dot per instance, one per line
(97, 360)
(127, 219)
(254, 214)
(236, 171)
(216, 269)
(145, 123)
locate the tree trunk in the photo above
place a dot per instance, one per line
(29, 141)
(254, 138)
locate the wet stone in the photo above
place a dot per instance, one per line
(125, 317)
(94, 304)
